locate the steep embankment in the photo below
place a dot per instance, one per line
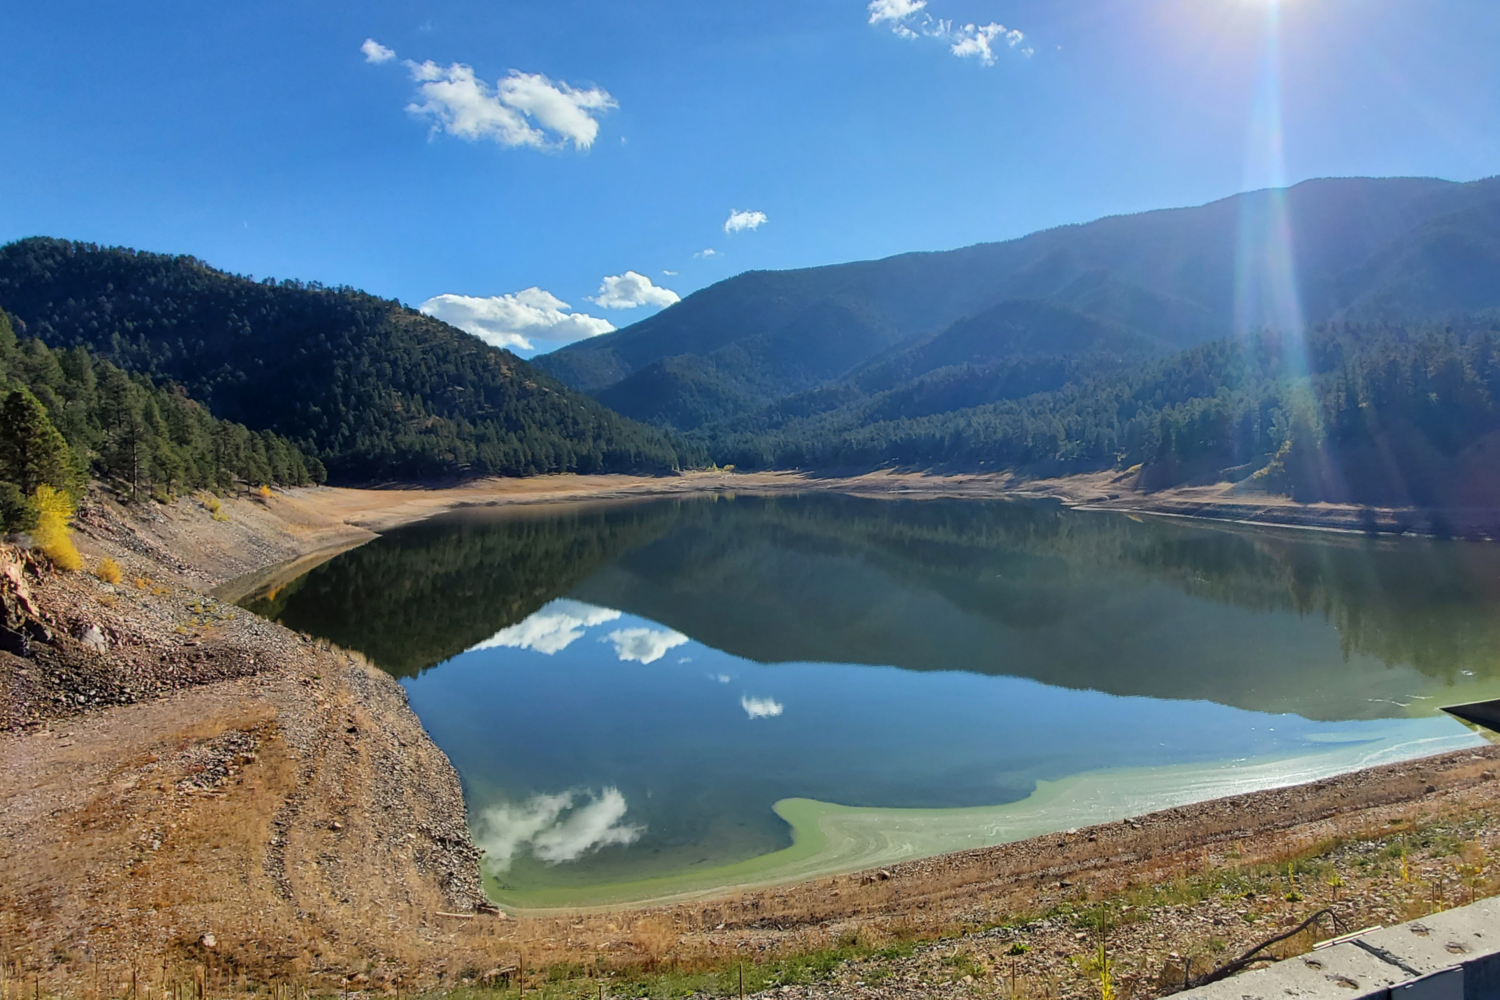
(183, 782)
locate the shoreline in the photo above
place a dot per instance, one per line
(209, 748)
(831, 840)
(378, 510)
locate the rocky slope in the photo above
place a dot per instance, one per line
(184, 783)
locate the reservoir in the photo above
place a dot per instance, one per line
(663, 698)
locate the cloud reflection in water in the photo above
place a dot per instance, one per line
(551, 629)
(644, 645)
(553, 827)
(761, 708)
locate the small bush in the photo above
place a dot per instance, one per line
(215, 508)
(109, 571)
(265, 492)
(52, 534)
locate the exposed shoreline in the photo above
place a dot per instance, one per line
(216, 718)
(379, 510)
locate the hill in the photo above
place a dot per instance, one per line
(67, 416)
(373, 389)
(1362, 249)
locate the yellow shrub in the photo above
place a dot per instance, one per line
(215, 508)
(109, 571)
(52, 534)
(265, 491)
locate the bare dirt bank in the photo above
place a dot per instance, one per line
(184, 783)
(377, 510)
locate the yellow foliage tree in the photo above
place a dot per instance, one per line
(52, 535)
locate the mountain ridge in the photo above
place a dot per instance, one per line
(1168, 273)
(373, 388)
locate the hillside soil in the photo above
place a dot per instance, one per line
(187, 790)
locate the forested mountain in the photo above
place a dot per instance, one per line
(66, 416)
(1363, 412)
(1400, 249)
(374, 389)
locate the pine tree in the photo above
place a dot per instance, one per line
(32, 450)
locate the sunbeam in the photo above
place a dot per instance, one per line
(1266, 292)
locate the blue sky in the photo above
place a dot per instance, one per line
(566, 142)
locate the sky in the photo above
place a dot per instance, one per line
(537, 172)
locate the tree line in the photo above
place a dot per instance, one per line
(66, 416)
(1367, 412)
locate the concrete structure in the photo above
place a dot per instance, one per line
(1448, 956)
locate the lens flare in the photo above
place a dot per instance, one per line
(1266, 292)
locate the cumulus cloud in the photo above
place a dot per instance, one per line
(644, 645)
(761, 708)
(552, 629)
(710, 252)
(977, 41)
(520, 320)
(522, 109)
(375, 52)
(557, 107)
(555, 827)
(894, 10)
(630, 290)
(909, 19)
(740, 221)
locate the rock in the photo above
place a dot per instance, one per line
(93, 638)
(208, 941)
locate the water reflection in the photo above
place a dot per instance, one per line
(1084, 600)
(627, 691)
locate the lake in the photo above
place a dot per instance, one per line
(663, 698)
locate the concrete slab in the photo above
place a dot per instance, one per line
(1343, 970)
(1453, 955)
(1442, 940)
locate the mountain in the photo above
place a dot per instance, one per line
(1391, 249)
(373, 389)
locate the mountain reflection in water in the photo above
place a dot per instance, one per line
(1088, 600)
(628, 691)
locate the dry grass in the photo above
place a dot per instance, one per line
(109, 571)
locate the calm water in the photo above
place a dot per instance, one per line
(628, 691)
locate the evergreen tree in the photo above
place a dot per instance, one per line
(32, 451)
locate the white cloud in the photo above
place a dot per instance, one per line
(710, 252)
(557, 107)
(739, 221)
(551, 629)
(522, 109)
(972, 40)
(670, 274)
(909, 19)
(644, 645)
(632, 289)
(761, 708)
(518, 320)
(375, 52)
(894, 10)
(553, 829)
